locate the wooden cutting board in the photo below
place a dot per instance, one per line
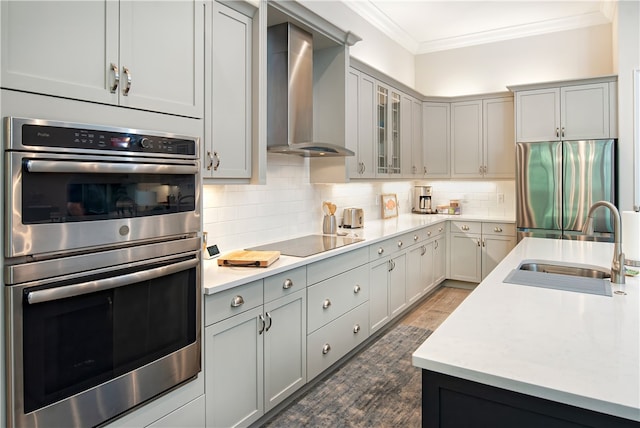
(249, 258)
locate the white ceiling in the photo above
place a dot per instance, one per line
(424, 26)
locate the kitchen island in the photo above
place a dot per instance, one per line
(514, 355)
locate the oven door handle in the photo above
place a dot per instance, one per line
(36, 165)
(49, 295)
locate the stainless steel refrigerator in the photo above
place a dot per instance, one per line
(556, 183)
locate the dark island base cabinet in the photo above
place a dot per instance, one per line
(450, 402)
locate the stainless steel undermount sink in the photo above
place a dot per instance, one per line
(575, 277)
(586, 271)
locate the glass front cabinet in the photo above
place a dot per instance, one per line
(388, 133)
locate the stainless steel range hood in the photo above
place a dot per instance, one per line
(290, 95)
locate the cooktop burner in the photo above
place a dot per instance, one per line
(308, 245)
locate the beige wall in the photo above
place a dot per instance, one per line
(491, 67)
(375, 49)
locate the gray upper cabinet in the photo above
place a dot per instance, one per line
(482, 143)
(466, 139)
(228, 125)
(436, 131)
(360, 123)
(572, 110)
(118, 53)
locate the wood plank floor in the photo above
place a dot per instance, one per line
(436, 308)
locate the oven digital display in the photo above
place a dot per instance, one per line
(120, 142)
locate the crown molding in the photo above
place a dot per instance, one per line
(380, 20)
(375, 16)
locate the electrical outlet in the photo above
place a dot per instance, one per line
(501, 198)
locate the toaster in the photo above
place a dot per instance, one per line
(352, 218)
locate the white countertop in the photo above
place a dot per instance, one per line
(574, 348)
(219, 278)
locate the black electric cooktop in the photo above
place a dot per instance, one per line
(308, 245)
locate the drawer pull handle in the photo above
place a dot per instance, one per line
(237, 301)
(326, 348)
(478, 242)
(326, 304)
(424, 250)
(262, 324)
(465, 227)
(356, 328)
(356, 289)
(497, 229)
(380, 250)
(287, 284)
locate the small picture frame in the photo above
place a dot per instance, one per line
(389, 204)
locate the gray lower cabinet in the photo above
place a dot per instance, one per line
(387, 296)
(234, 352)
(257, 358)
(420, 270)
(328, 344)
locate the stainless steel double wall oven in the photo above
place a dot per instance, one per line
(102, 269)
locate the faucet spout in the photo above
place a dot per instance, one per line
(617, 264)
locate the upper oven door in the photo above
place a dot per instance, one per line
(57, 203)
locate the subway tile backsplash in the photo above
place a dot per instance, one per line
(239, 216)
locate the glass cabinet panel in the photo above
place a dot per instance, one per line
(388, 110)
(382, 107)
(394, 152)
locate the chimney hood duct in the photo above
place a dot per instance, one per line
(290, 95)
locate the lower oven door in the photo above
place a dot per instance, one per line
(82, 350)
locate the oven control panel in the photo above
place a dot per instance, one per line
(104, 140)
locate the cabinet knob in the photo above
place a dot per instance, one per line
(464, 227)
(380, 250)
(440, 229)
(497, 229)
(326, 304)
(478, 242)
(557, 132)
(326, 348)
(415, 237)
(356, 289)
(429, 233)
(237, 301)
(356, 328)
(483, 243)
(562, 132)
(400, 244)
(287, 284)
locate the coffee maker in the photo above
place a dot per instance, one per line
(422, 200)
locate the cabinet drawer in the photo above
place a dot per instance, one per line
(337, 339)
(232, 302)
(391, 246)
(335, 296)
(285, 283)
(466, 227)
(506, 229)
(436, 230)
(319, 271)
